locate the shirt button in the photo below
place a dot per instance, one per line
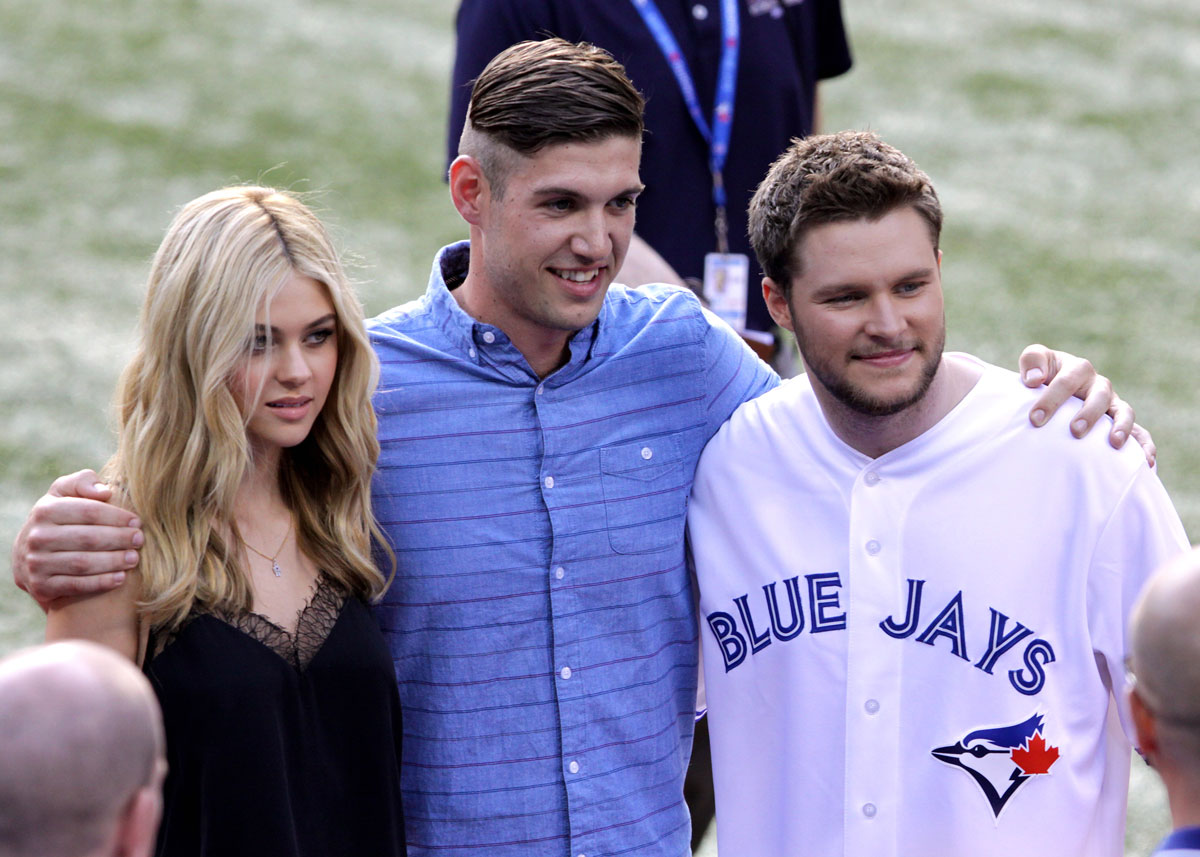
(471, 352)
(873, 547)
(489, 337)
(541, 389)
(549, 482)
(869, 810)
(573, 767)
(872, 706)
(700, 12)
(565, 672)
(560, 572)
(872, 478)
(647, 453)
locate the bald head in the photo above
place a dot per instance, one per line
(1165, 641)
(81, 743)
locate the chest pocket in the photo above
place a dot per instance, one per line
(645, 493)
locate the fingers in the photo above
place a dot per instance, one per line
(47, 575)
(51, 511)
(53, 539)
(1147, 443)
(72, 545)
(1059, 389)
(82, 483)
(69, 586)
(1074, 377)
(1036, 364)
(1122, 415)
(1097, 399)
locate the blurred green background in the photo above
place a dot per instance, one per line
(1061, 136)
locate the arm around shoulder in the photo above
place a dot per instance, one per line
(108, 618)
(734, 373)
(66, 536)
(74, 541)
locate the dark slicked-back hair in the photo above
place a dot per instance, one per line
(827, 179)
(552, 91)
(539, 93)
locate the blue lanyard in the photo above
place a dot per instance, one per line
(716, 135)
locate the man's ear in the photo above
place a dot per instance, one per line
(469, 189)
(777, 304)
(1144, 727)
(137, 829)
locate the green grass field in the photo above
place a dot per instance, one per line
(1060, 136)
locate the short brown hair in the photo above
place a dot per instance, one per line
(830, 178)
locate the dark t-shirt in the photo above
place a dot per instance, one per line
(786, 47)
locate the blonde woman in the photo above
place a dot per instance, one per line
(246, 445)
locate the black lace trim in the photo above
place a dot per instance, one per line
(314, 623)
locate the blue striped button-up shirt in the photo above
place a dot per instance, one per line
(541, 619)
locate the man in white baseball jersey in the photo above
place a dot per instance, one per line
(913, 604)
(1165, 697)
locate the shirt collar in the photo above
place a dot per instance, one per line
(475, 339)
(1184, 837)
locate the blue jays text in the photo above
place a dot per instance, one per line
(755, 628)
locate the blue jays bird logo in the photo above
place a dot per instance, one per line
(1002, 759)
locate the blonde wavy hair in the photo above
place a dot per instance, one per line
(182, 448)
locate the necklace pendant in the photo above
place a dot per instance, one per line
(275, 568)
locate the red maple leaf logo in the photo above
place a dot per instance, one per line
(1035, 757)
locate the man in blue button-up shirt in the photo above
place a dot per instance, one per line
(539, 434)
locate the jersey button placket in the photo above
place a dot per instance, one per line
(871, 725)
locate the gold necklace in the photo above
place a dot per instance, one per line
(274, 563)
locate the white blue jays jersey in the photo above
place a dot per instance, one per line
(917, 654)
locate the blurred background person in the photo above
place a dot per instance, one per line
(1165, 697)
(81, 754)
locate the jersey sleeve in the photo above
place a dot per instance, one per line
(1143, 532)
(734, 372)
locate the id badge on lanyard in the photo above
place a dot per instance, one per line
(726, 277)
(725, 274)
